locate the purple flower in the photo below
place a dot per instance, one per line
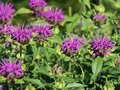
(9, 28)
(22, 35)
(43, 32)
(37, 4)
(101, 46)
(70, 46)
(11, 70)
(53, 16)
(6, 11)
(99, 19)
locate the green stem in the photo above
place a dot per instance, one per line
(70, 66)
(70, 11)
(21, 86)
(97, 32)
(20, 52)
(10, 86)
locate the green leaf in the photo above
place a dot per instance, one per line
(79, 1)
(55, 39)
(75, 85)
(23, 11)
(30, 87)
(57, 30)
(2, 79)
(43, 70)
(35, 52)
(36, 82)
(87, 2)
(99, 8)
(96, 67)
(71, 26)
(19, 81)
(39, 22)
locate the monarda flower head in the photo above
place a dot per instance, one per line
(42, 32)
(99, 19)
(9, 28)
(101, 46)
(6, 29)
(70, 46)
(6, 11)
(54, 16)
(11, 70)
(22, 35)
(37, 4)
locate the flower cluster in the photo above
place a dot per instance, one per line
(101, 46)
(71, 45)
(99, 19)
(6, 11)
(22, 35)
(54, 16)
(43, 32)
(37, 6)
(11, 70)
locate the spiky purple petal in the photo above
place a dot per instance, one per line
(70, 46)
(6, 11)
(101, 46)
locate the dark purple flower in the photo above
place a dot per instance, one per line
(101, 46)
(22, 35)
(6, 11)
(37, 4)
(71, 45)
(43, 32)
(11, 70)
(99, 19)
(53, 16)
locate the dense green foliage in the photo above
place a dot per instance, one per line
(47, 68)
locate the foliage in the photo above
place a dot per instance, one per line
(45, 65)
